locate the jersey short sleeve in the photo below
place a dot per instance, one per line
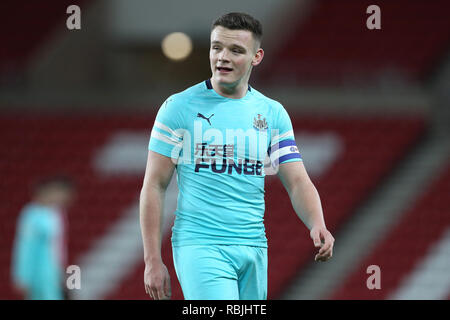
(283, 147)
(167, 133)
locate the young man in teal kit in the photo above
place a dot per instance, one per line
(40, 252)
(222, 137)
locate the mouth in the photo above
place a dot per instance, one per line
(224, 69)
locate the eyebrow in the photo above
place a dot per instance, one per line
(233, 45)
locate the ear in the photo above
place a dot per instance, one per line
(259, 55)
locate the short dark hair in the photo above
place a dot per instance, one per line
(240, 21)
(58, 180)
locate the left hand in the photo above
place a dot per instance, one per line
(324, 240)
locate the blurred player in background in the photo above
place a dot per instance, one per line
(218, 238)
(40, 248)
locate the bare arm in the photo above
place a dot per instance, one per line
(158, 173)
(306, 203)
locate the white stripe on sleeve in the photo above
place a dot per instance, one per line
(281, 136)
(159, 125)
(158, 135)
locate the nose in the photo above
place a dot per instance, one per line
(223, 56)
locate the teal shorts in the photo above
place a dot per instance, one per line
(221, 272)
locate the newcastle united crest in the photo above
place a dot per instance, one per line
(260, 124)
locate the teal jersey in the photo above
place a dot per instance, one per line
(223, 148)
(36, 262)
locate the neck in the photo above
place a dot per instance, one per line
(45, 201)
(233, 91)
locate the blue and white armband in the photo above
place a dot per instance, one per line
(284, 151)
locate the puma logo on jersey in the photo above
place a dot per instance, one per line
(199, 115)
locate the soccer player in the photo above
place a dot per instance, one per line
(219, 135)
(39, 255)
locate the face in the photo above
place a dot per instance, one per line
(59, 196)
(232, 55)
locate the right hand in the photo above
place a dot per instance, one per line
(157, 281)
